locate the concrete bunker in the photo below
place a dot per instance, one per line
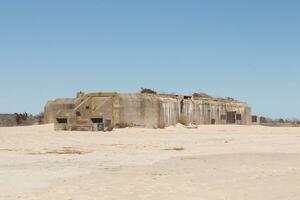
(104, 111)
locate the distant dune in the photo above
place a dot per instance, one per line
(208, 162)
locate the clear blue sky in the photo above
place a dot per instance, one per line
(247, 49)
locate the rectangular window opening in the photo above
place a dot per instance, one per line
(254, 119)
(231, 117)
(223, 117)
(238, 117)
(97, 120)
(62, 120)
(213, 121)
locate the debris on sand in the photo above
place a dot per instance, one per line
(191, 126)
(175, 149)
(63, 151)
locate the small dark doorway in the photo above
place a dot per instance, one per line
(231, 117)
(98, 124)
(97, 120)
(213, 121)
(254, 119)
(181, 106)
(62, 120)
(238, 117)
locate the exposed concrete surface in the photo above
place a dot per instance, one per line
(89, 112)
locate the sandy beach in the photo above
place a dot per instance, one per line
(210, 163)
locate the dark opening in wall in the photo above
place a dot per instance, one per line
(238, 117)
(87, 107)
(213, 121)
(181, 106)
(97, 120)
(230, 118)
(254, 119)
(78, 114)
(62, 120)
(223, 117)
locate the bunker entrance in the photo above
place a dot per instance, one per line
(231, 117)
(238, 117)
(62, 120)
(181, 106)
(213, 121)
(254, 119)
(98, 124)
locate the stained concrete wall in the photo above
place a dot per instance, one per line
(144, 110)
(169, 112)
(204, 111)
(148, 110)
(53, 107)
(139, 110)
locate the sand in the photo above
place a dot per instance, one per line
(209, 163)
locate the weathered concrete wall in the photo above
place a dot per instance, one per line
(148, 110)
(209, 112)
(145, 110)
(139, 110)
(53, 107)
(93, 107)
(169, 112)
